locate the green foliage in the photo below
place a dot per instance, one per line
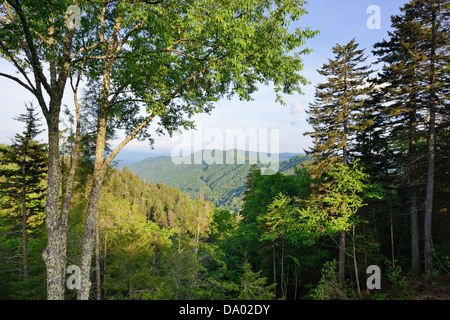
(253, 287)
(147, 239)
(337, 112)
(172, 59)
(223, 223)
(226, 231)
(221, 184)
(266, 235)
(442, 252)
(23, 168)
(335, 206)
(395, 275)
(329, 287)
(208, 49)
(22, 172)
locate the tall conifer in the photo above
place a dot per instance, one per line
(416, 59)
(24, 167)
(337, 114)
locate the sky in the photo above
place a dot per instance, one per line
(278, 128)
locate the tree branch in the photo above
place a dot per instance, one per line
(23, 84)
(75, 153)
(130, 137)
(33, 56)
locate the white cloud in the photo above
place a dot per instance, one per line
(296, 108)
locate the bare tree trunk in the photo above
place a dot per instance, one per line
(342, 234)
(89, 235)
(97, 258)
(356, 264)
(392, 239)
(24, 222)
(431, 153)
(104, 257)
(296, 282)
(57, 226)
(429, 209)
(365, 247)
(415, 262)
(342, 256)
(283, 293)
(274, 271)
(54, 253)
(376, 229)
(98, 175)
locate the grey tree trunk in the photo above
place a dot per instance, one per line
(55, 252)
(24, 222)
(431, 153)
(429, 200)
(392, 239)
(342, 256)
(89, 236)
(415, 254)
(97, 258)
(342, 234)
(97, 181)
(274, 271)
(356, 264)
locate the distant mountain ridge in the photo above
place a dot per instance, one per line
(127, 158)
(223, 184)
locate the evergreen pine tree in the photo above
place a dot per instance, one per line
(337, 113)
(416, 59)
(23, 169)
(433, 16)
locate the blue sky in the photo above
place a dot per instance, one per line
(339, 21)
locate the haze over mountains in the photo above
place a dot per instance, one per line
(220, 182)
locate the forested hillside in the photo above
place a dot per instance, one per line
(221, 184)
(145, 236)
(364, 215)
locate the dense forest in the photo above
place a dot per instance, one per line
(221, 184)
(374, 189)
